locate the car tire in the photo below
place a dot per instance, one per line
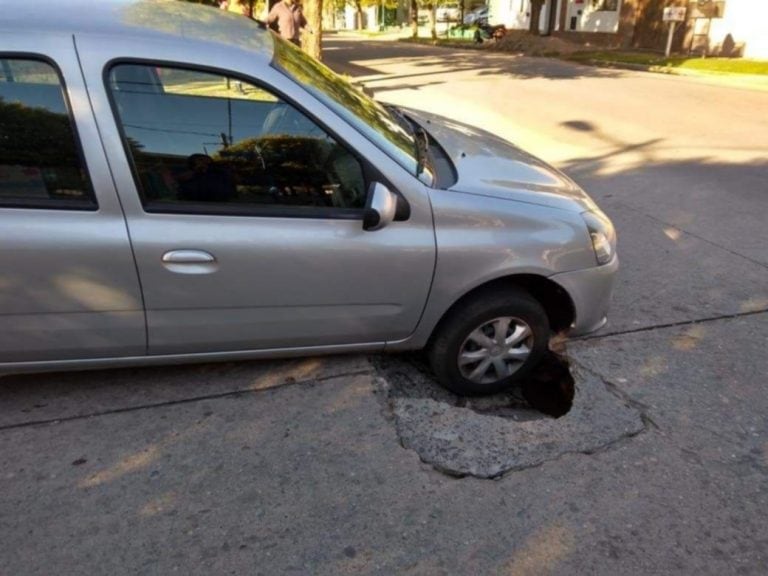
(490, 342)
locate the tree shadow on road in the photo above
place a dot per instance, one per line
(383, 62)
(691, 230)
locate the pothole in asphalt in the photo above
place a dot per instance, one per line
(547, 392)
(555, 411)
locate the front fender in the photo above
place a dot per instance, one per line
(481, 239)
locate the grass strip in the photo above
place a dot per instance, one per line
(716, 65)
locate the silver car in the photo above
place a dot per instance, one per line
(179, 185)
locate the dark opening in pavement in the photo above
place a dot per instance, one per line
(547, 391)
(550, 388)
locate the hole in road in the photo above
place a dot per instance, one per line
(550, 388)
(547, 391)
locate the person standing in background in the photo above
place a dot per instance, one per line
(289, 18)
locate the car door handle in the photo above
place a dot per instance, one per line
(188, 257)
(190, 262)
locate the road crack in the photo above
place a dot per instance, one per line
(670, 325)
(193, 399)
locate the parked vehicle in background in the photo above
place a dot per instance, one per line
(177, 185)
(477, 16)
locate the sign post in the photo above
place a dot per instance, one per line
(673, 15)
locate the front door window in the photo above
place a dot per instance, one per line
(210, 143)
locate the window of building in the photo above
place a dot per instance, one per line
(41, 164)
(605, 5)
(210, 143)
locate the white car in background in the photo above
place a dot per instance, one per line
(477, 16)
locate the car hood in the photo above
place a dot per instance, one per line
(490, 166)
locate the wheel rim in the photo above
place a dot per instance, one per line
(495, 350)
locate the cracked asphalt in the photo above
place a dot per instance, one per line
(361, 465)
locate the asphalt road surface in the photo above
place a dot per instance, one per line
(358, 465)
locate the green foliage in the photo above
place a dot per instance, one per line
(721, 65)
(359, 4)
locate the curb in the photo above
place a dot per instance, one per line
(758, 82)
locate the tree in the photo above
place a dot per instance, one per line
(432, 7)
(359, 5)
(536, 6)
(312, 39)
(249, 7)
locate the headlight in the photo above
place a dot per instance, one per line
(603, 235)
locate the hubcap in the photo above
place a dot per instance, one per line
(495, 350)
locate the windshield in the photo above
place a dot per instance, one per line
(368, 116)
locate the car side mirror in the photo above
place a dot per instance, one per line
(380, 208)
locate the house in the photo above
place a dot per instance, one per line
(712, 27)
(556, 16)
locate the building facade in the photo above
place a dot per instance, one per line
(712, 27)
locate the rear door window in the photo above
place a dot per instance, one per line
(41, 162)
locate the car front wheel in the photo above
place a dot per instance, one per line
(492, 341)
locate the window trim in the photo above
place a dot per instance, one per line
(91, 204)
(259, 210)
(370, 173)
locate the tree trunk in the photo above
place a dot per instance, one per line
(329, 16)
(433, 21)
(312, 38)
(247, 7)
(359, 16)
(414, 18)
(536, 6)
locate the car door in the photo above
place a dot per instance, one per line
(245, 212)
(68, 283)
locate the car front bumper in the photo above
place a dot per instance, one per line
(590, 290)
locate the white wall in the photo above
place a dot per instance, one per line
(519, 14)
(516, 14)
(370, 18)
(499, 11)
(590, 19)
(747, 23)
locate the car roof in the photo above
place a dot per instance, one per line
(167, 19)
